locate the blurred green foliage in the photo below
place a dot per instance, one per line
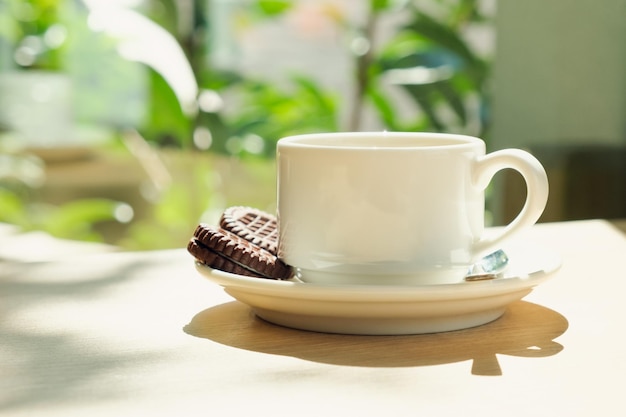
(33, 27)
(428, 58)
(72, 220)
(453, 96)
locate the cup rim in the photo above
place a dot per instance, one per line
(448, 140)
(440, 140)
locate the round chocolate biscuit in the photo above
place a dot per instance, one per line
(254, 225)
(226, 251)
(207, 257)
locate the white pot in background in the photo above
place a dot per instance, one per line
(37, 107)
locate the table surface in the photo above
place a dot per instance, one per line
(116, 334)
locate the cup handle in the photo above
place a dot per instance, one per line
(536, 191)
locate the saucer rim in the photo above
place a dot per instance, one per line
(507, 283)
(389, 310)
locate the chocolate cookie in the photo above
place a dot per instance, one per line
(253, 225)
(226, 251)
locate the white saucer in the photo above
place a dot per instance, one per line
(390, 310)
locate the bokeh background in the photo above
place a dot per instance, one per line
(129, 121)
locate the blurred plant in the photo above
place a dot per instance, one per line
(74, 220)
(428, 58)
(33, 37)
(20, 175)
(424, 76)
(431, 59)
(34, 32)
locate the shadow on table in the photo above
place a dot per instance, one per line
(55, 361)
(525, 330)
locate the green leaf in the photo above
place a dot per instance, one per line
(166, 121)
(12, 208)
(313, 90)
(271, 113)
(379, 5)
(75, 220)
(423, 95)
(274, 7)
(453, 98)
(384, 107)
(404, 44)
(442, 34)
(219, 128)
(9, 29)
(446, 37)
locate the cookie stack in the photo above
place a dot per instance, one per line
(244, 243)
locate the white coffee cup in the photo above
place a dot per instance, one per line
(391, 208)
